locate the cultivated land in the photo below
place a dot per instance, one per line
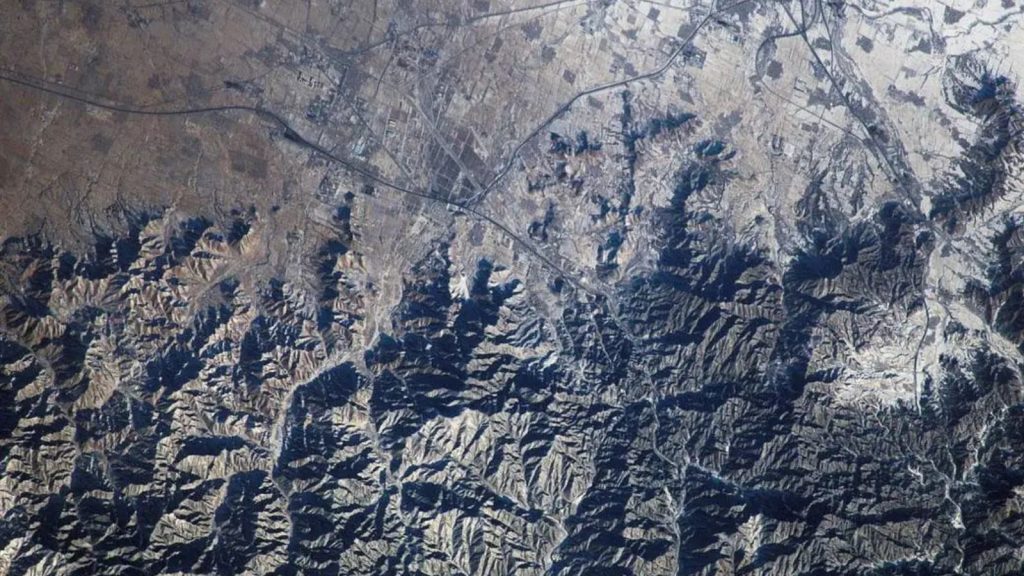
(554, 287)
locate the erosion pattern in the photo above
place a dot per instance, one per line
(572, 287)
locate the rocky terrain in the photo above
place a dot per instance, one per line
(597, 287)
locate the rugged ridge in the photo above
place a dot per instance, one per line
(741, 295)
